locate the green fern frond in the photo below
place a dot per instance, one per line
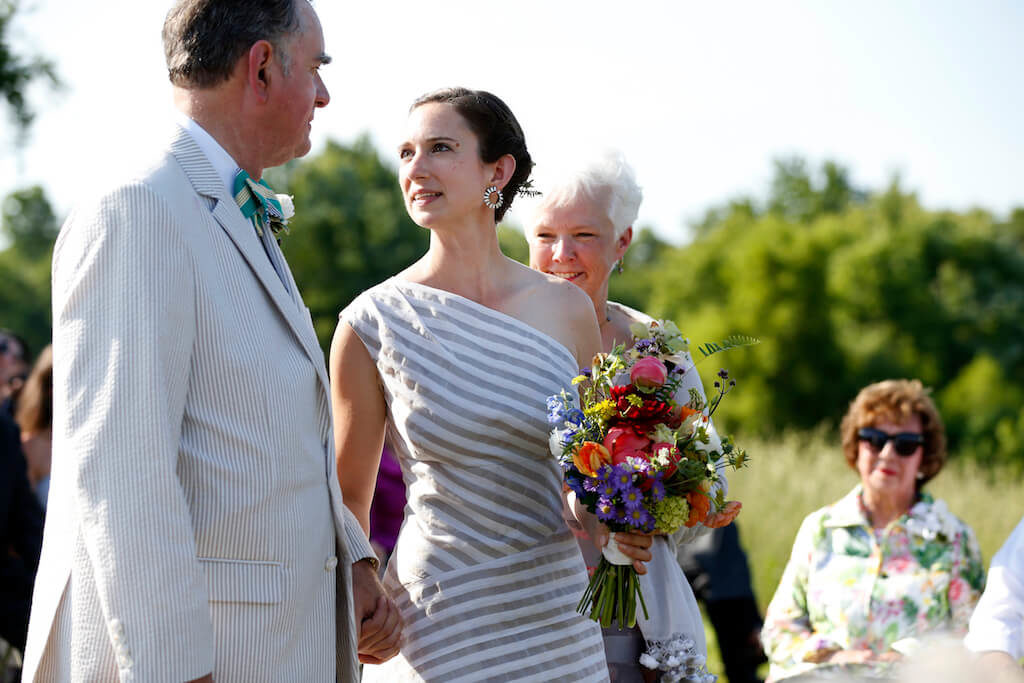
(731, 342)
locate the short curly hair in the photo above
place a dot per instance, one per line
(897, 400)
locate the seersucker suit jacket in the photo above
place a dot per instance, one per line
(196, 522)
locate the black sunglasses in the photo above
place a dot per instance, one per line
(905, 443)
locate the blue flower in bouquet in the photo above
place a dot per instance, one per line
(644, 345)
(574, 416)
(621, 516)
(657, 489)
(632, 498)
(568, 436)
(576, 483)
(556, 410)
(639, 518)
(606, 488)
(605, 510)
(622, 477)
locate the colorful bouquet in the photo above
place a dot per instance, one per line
(640, 458)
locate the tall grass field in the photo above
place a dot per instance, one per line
(792, 476)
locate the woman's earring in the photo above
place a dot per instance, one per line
(493, 198)
(618, 266)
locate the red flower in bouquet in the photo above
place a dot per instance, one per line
(625, 442)
(639, 412)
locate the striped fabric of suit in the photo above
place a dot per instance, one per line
(485, 572)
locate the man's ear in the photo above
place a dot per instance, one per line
(503, 170)
(257, 65)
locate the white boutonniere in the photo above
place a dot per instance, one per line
(279, 223)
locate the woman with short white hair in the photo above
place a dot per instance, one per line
(580, 232)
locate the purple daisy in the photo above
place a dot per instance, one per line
(639, 518)
(622, 476)
(606, 510)
(632, 498)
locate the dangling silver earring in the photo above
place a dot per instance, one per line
(618, 266)
(493, 198)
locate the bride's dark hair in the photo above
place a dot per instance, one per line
(497, 131)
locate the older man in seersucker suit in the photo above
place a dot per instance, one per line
(196, 529)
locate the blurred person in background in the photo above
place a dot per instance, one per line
(580, 232)
(717, 569)
(34, 415)
(887, 562)
(997, 626)
(14, 355)
(21, 536)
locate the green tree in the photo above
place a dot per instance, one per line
(350, 229)
(846, 291)
(16, 73)
(29, 223)
(30, 226)
(513, 243)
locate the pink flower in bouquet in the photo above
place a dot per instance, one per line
(623, 442)
(648, 373)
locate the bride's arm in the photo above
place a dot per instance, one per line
(359, 412)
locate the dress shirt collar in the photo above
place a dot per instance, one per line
(222, 163)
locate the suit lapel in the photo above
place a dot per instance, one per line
(206, 182)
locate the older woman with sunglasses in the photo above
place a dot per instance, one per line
(885, 563)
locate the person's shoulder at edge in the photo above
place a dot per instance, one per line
(631, 313)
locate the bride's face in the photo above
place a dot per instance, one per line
(440, 171)
(576, 242)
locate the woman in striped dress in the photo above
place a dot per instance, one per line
(451, 360)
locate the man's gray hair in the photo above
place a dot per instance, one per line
(204, 39)
(608, 179)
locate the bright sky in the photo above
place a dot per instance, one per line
(701, 96)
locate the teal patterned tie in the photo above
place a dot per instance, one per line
(258, 203)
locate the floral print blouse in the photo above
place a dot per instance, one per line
(847, 586)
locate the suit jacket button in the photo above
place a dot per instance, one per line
(332, 562)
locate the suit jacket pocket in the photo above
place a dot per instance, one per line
(243, 580)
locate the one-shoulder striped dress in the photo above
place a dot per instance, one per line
(485, 571)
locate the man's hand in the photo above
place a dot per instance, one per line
(208, 678)
(376, 616)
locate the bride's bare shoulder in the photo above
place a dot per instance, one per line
(558, 295)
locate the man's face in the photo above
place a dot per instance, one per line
(298, 93)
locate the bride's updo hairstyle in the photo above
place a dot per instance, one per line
(497, 132)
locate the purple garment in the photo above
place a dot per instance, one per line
(388, 506)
